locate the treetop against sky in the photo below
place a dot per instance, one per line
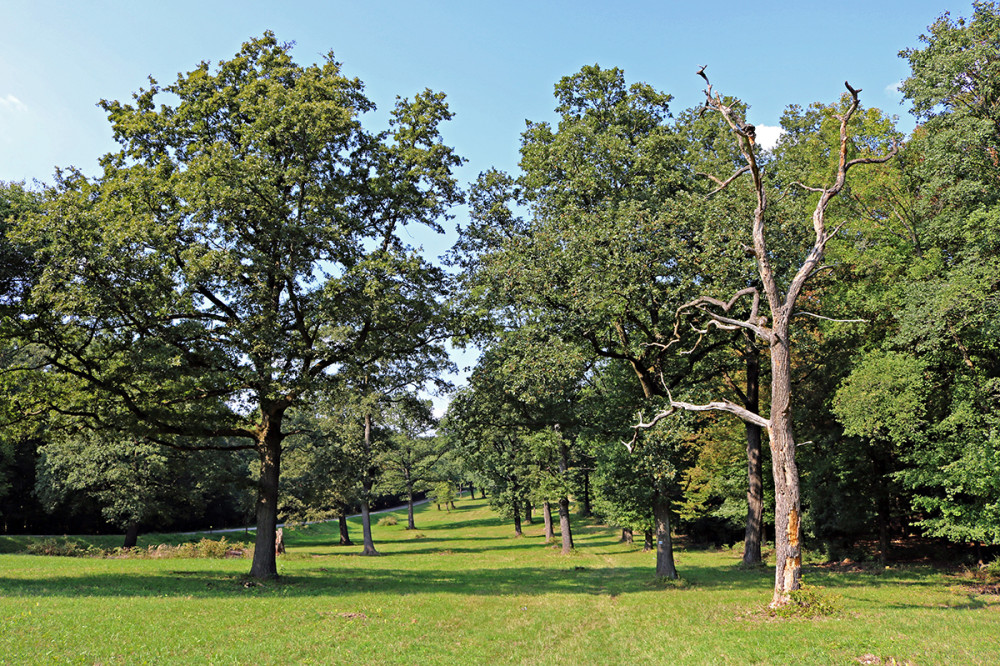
(497, 62)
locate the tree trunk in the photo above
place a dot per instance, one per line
(366, 530)
(345, 537)
(664, 544)
(410, 525)
(587, 511)
(472, 491)
(269, 450)
(564, 529)
(482, 493)
(647, 540)
(131, 535)
(882, 504)
(366, 484)
(787, 507)
(755, 471)
(517, 518)
(527, 513)
(626, 535)
(547, 516)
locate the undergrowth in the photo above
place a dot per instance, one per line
(205, 548)
(809, 602)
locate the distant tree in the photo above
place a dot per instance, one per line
(408, 463)
(443, 493)
(137, 484)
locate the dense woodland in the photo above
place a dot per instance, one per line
(682, 331)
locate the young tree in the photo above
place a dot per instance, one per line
(774, 331)
(242, 246)
(408, 464)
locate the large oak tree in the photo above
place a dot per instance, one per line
(240, 248)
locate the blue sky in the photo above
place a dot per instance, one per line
(496, 61)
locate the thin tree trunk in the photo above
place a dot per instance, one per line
(131, 535)
(664, 543)
(367, 484)
(647, 540)
(527, 512)
(517, 519)
(264, 563)
(755, 471)
(472, 491)
(345, 537)
(564, 529)
(482, 493)
(547, 517)
(410, 525)
(882, 507)
(366, 530)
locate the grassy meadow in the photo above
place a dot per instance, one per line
(461, 589)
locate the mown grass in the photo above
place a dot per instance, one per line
(461, 589)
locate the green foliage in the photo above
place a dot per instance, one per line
(443, 494)
(884, 398)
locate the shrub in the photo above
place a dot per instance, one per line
(388, 520)
(206, 548)
(808, 602)
(63, 548)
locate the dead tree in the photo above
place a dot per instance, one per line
(705, 313)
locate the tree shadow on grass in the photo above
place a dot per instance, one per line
(464, 524)
(896, 577)
(515, 544)
(326, 581)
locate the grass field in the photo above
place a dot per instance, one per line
(460, 589)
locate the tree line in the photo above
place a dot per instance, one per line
(664, 309)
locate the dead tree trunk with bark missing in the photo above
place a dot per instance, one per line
(781, 303)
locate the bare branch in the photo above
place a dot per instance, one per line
(806, 187)
(843, 321)
(723, 184)
(724, 406)
(874, 160)
(701, 304)
(674, 405)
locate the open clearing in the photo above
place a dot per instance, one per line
(461, 589)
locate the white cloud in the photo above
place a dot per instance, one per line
(11, 103)
(893, 88)
(768, 135)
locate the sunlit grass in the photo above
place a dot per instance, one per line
(462, 589)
